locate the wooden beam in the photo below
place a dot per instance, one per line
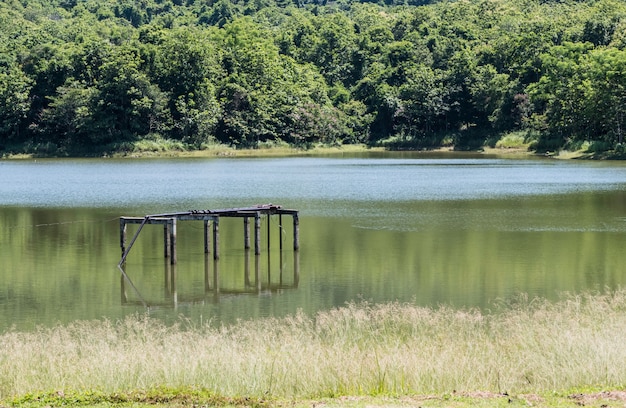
(123, 231)
(257, 233)
(173, 257)
(207, 237)
(296, 232)
(216, 238)
(246, 233)
(167, 243)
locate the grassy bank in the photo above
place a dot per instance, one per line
(529, 347)
(166, 148)
(272, 151)
(508, 144)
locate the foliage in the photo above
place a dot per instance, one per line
(85, 76)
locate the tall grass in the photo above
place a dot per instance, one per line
(524, 346)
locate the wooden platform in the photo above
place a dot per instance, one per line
(209, 217)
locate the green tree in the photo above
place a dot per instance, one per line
(262, 87)
(15, 88)
(493, 96)
(605, 72)
(68, 120)
(185, 63)
(560, 93)
(221, 13)
(425, 101)
(128, 104)
(334, 49)
(109, 101)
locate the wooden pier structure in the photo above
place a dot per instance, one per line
(211, 235)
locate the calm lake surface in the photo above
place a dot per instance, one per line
(466, 231)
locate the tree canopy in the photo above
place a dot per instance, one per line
(87, 77)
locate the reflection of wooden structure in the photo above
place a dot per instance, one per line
(211, 243)
(213, 290)
(209, 216)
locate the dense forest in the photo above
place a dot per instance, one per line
(89, 77)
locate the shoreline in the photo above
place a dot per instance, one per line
(225, 151)
(511, 152)
(222, 151)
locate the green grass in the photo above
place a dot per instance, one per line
(513, 140)
(194, 398)
(390, 354)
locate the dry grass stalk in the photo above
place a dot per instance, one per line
(359, 349)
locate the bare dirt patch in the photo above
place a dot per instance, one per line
(599, 398)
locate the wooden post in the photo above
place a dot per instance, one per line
(167, 239)
(173, 241)
(207, 238)
(296, 232)
(216, 238)
(123, 235)
(269, 231)
(280, 232)
(257, 233)
(246, 233)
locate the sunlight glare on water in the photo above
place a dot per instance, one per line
(184, 183)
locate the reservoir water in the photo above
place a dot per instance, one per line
(466, 231)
